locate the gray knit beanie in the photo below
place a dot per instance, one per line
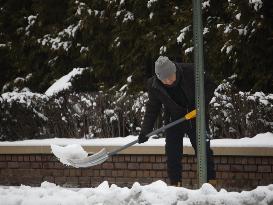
(164, 68)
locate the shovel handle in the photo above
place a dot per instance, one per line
(188, 116)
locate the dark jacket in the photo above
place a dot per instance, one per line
(159, 97)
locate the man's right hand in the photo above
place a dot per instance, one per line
(142, 138)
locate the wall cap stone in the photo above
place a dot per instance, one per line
(142, 150)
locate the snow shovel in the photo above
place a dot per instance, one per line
(103, 155)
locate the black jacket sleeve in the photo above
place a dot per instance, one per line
(153, 107)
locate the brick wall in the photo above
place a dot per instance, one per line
(232, 172)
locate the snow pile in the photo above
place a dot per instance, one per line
(74, 151)
(64, 83)
(155, 193)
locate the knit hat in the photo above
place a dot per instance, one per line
(164, 68)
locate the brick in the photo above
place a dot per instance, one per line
(60, 180)
(231, 160)
(133, 166)
(66, 172)
(85, 180)
(159, 166)
(244, 160)
(238, 160)
(152, 173)
(152, 159)
(185, 175)
(32, 158)
(224, 160)
(14, 158)
(251, 175)
(110, 159)
(139, 173)
(38, 158)
(24, 165)
(219, 175)
(120, 165)
(58, 165)
(258, 175)
(2, 157)
(127, 158)
(139, 158)
(3, 164)
(108, 173)
(121, 158)
(251, 160)
(145, 166)
(96, 173)
(192, 175)
(120, 173)
(266, 176)
(190, 159)
(102, 173)
(146, 174)
(159, 174)
(107, 165)
(114, 173)
(186, 167)
(217, 160)
(58, 173)
(146, 159)
(164, 158)
(225, 175)
(133, 158)
(72, 180)
(265, 160)
(258, 160)
(264, 168)
(87, 173)
(250, 168)
(194, 167)
(223, 167)
(184, 160)
(236, 167)
(158, 159)
(132, 174)
(13, 165)
(20, 158)
(241, 175)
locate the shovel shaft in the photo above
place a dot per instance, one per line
(188, 116)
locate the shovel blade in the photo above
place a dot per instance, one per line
(89, 161)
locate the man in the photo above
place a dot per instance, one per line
(173, 86)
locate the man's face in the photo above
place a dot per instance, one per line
(170, 80)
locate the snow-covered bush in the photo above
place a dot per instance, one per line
(26, 115)
(22, 115)
(236, 114)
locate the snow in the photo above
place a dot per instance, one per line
(155, 193)
(64, 83)
(23, 97)
(182, 35)
(257, 4)
(150, 2)
(238, 16)
(74, 151)
(129, 16)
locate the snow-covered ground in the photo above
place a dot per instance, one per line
(157, 193)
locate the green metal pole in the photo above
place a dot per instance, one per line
(199, 92)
